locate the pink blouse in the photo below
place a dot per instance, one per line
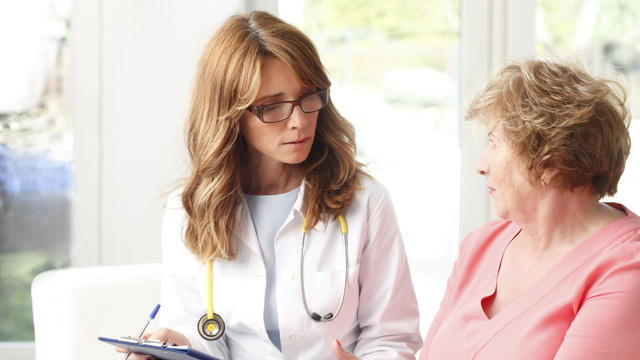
(586, 307)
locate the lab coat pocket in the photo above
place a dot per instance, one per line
(325, 293)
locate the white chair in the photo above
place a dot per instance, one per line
(72, 307)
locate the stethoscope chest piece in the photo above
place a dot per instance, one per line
(211, 329)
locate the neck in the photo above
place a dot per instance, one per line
(564, 218)
(269, 180)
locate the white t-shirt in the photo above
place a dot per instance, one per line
(268, 213)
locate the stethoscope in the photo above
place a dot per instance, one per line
(211, 326)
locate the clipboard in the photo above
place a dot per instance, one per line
(157, 348)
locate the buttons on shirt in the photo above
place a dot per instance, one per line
(293, 337)
(288, 275)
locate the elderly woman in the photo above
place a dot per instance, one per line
(558, 276)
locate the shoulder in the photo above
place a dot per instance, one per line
(370, 197)
(370, 185)
(371, 191)
(611, 260)
(173, 209)
(622, 237)
(494, 227)
(488, 237)
(631, 222)
(174, 200)
(173, 222)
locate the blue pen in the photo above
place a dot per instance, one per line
(151, 317)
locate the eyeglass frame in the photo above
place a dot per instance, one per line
(257, 110)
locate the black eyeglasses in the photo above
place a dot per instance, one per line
(280, 111)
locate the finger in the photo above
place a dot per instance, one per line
(171, 337)
(162, 334)
(121, 350)
(340, 353)
(135, 356)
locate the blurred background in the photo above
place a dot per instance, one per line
(93, 94)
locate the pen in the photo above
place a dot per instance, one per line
(151, 317)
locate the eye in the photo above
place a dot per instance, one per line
(273, 108)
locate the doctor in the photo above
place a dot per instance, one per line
(268, 152)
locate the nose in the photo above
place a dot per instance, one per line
(298, 118)
(482, 165)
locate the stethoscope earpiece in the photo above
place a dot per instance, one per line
(316, 317)
(329, 316)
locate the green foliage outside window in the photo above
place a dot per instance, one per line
(365, 42)
(17, 270)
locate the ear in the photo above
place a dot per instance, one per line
(549, 173)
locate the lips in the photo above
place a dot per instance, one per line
(298, 141)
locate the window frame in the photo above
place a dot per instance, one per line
(491, 31)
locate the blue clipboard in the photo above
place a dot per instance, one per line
(157, 348)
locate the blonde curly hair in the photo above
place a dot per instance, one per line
(557, 115)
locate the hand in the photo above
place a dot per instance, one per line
(340, 353)
(162, 334)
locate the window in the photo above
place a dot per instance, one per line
(394, 69)
(36, 168)
(600, 32)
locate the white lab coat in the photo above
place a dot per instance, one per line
(379, 318)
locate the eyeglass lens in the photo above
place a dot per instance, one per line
(309, 104)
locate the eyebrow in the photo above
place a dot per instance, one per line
(281, 94)
(270, 96)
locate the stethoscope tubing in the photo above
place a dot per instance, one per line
(330, 316)
(210, 289)
(211, 326)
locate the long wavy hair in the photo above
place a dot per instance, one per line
(556, 114)
(227, 81)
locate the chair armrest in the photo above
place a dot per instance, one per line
(72, 307)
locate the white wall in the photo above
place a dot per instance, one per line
(492, 31)
(133, 63)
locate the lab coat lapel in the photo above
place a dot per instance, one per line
(245, 230)
(296, 212)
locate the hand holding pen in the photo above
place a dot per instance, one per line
(162, 334)
(151, 317)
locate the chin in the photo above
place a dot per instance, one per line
(295, 160)
(501, 213)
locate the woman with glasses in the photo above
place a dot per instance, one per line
(304, 246)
